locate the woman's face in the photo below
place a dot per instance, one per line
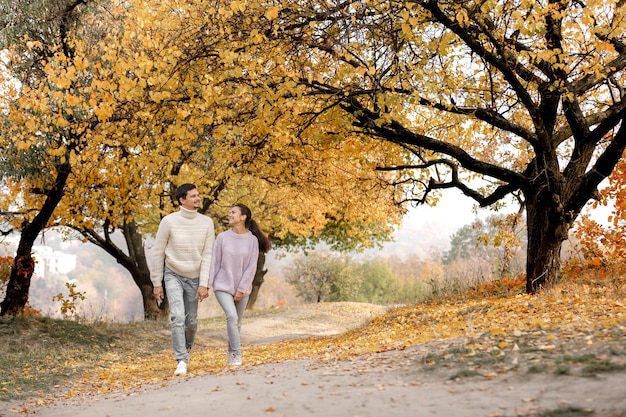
(235, 217)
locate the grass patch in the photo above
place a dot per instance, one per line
(592, 365)
(582, 364)
(563, 370)
(464, 373)
(434, 360)
(586, 358)
(566, 412)
(459, 356)
(602, 366)
(40, 353)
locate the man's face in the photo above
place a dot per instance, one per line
(192, 201)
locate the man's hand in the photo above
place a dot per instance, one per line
(158, 295)
(202, 293)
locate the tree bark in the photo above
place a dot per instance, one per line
(151, 310)
(140, 272)
(543, 257)
(548, 226)
(134, 261)
(257, 281)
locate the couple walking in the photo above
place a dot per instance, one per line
(189, 261)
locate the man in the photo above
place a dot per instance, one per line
(182, 260)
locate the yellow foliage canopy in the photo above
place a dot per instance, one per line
(158, 100)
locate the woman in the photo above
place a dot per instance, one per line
(235, 255)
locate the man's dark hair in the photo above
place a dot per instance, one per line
(181, 192)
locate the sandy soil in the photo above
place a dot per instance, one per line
(384, 384)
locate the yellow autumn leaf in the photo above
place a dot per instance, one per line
(496, 331)
(272, 12)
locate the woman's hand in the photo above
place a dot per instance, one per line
(238, 295)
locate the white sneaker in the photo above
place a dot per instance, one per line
(181, 369)
(234, 359)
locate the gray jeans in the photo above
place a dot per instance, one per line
(234, 313)
(181, 296)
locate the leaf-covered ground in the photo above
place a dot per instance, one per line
(575, 330)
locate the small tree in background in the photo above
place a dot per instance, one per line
(323, 277)
(378, 283)
(487, 250)
(600, 249)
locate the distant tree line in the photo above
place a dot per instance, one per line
(486, 250)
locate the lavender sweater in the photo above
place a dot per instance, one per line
(234, 262)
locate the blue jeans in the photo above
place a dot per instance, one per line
(234, 313)
(181, 296)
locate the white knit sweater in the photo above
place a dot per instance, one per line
(184, 242)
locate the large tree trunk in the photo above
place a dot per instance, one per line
(23, 267)
(152, 311)
(547, 229)
(16, 296)
(141, 274)
(257, 281)
(543, 262)
(135, 263)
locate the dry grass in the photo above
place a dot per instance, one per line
(39, 355)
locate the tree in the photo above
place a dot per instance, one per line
(505, 237)
(496, 98)
(377, 283)
(37, 158)
(464, 243)
(602, 247)
(161, 103)
(204, 134)
(323, 277)
(495, 240)
(257, 281)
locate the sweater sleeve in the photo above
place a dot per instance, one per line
(207, 256)
(158, 257)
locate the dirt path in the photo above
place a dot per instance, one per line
(386, 384)
(296, 322)
(379, 385)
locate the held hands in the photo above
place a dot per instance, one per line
(238, 295)
(202, 293)
(158, 295)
